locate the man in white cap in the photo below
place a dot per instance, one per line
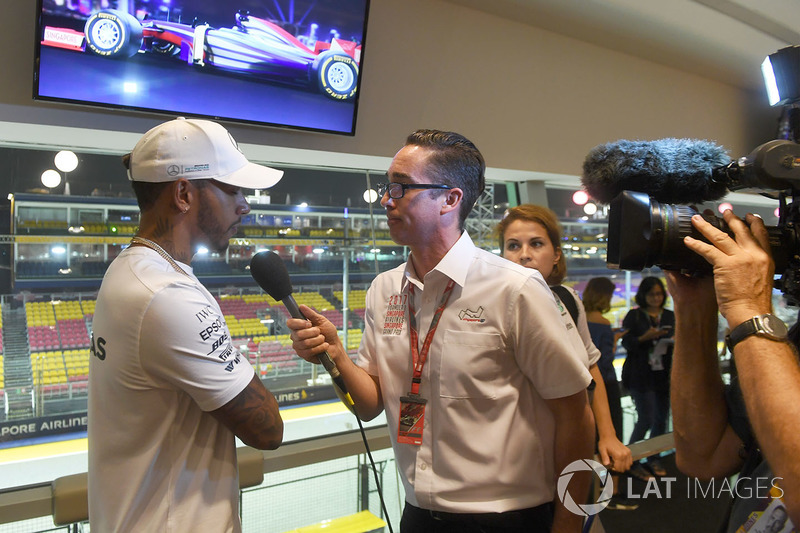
(168, 391)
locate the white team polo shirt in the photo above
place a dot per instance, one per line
(500, 349)
(158, 460)
(579, 334)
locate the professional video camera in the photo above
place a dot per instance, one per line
(646, 185)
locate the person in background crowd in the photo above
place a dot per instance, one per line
(645, 373)
(597, 297)
(460, 344)
(168, 391)
(529, 236)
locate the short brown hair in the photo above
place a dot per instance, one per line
(597, 295)
(456, 162)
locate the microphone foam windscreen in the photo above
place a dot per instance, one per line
(269, 271)
(670, 170)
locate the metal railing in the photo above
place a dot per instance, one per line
(66, 498)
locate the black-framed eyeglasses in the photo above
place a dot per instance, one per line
(398, 190)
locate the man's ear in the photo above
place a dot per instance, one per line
(452, 200)
(183, 194)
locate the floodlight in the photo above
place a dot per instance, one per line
(51, 178)
(781, 72)
(66, 161)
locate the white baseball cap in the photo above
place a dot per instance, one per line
(196, 150)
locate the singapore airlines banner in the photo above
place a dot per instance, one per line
(46, 426)
(43, 426)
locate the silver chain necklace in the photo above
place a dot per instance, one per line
(160, 251)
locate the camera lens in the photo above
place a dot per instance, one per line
(643, 232)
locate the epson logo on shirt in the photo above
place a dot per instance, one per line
(212, 328)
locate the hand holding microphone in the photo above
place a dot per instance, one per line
(313, 338)
(269, 271)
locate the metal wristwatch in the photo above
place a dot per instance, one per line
(767, 326)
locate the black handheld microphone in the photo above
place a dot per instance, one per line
(269, 271)
(673, 171)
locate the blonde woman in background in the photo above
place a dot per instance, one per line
(529, 236)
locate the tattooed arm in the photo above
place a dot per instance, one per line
(253, 417)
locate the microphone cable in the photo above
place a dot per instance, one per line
(271, 274)
(338, 382)
(374, 472)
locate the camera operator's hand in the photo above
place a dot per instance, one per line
(691, 294)
(743, 268)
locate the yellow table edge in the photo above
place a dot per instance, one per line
(360, 522)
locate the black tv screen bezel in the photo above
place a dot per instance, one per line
(37, 96)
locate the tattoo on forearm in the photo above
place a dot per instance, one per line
(255, 412)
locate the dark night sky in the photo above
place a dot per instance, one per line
(21, 170)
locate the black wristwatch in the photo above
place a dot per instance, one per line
(767, 326)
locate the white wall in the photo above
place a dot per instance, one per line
(531, 100)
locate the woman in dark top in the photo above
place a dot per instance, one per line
(647, 365)
(597, 301)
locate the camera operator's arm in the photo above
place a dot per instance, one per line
(706, 445)
(769, 374)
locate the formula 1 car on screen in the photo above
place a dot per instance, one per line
(254, 46)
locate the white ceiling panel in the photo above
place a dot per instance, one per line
(720, 39)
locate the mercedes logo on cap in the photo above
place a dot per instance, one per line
(173, 170)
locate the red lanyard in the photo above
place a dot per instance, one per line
(419, 357)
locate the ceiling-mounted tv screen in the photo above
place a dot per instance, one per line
(287, 63)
